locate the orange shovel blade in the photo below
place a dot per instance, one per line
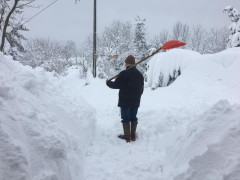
(172, 44)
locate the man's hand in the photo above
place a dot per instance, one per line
(107, 81)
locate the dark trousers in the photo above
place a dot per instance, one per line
(129, 114)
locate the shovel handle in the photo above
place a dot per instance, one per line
(168, 45)
(155, 52)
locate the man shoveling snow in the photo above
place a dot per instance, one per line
(130, 83)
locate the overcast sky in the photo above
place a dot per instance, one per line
(66, 20)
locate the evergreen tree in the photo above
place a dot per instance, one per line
(140, 44)
(234, 28)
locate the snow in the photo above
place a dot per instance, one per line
(43, 131)
(164, 64)
(210, 145)
(66, 128)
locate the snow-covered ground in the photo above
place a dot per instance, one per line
(61, 129)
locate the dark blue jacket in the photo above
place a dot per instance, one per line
(131, 84)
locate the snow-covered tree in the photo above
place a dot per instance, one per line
(69, 49)
(140, 43)
(160, 39)
(207, 41)
(234, 28)
(181, 32)
(83, 68)
(198, 39)
(113, 46)
(45, 53)
(217, 40)
(86, 51)
(116, 44)
(11, 26)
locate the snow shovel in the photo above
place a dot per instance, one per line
(168, 45)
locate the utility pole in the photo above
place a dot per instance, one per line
(94, 39)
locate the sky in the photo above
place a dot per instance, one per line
(66, 20)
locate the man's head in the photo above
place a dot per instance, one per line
(129, 61)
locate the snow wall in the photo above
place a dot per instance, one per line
(204, 106)
(43, 132)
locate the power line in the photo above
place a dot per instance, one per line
(40, 12)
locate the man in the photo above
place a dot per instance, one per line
(131, 83)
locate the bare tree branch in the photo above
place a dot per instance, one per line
(6, 24)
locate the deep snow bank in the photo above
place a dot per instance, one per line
(43, 129)
(164, 65)
(209, 149)
(192, 65)
(200, 131)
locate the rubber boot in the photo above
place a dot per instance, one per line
(133, 130)
(126, 130)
